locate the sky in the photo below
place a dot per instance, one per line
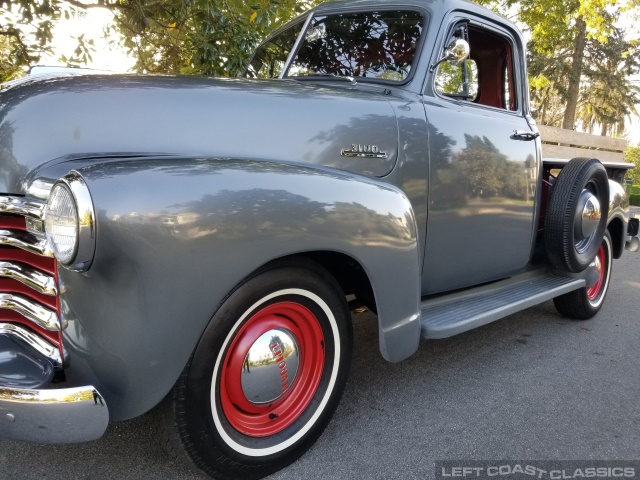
(110, 55)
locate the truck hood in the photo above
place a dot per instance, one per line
(48, 120)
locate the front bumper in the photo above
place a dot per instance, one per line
(31, 408)
(67, 415)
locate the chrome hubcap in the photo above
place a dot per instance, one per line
(591, 214)
(270, 367)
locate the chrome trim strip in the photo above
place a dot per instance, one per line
(36, 342)
(296, 45)
(41, 316)
(40, 188)
(30, 277)
(349, 153)
(66, 415)
(25, 241)
(21, 206)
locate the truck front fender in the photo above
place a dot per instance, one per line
(176, 235)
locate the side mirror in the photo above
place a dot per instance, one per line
(456, 52)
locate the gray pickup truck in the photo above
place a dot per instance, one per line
(194, 245)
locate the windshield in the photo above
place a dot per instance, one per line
(373, 45)
(270, 57)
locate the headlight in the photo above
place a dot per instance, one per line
(61, 223)
(69, 222)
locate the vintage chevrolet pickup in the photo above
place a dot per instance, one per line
(190, 244)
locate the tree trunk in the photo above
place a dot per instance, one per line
(604, 129)
(545, 101)
(574, 76)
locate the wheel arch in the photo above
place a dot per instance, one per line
(616, 230)
(618, 217)
(354, 278)
(348, 272)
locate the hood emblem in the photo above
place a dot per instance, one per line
(363, 151)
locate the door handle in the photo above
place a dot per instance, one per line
(524, 135)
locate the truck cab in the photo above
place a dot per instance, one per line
(193, 246)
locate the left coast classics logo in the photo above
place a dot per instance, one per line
(363, 151)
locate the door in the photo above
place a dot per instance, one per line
(483, 178)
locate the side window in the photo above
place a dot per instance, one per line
(487, 77)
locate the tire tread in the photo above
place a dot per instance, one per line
(558, 226)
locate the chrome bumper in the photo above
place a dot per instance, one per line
(66, 415)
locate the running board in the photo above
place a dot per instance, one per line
(455, 313)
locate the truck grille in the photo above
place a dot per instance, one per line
(29, 302)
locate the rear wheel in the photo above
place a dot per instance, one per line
(584, 303)
(266, 376)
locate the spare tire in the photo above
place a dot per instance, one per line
(576, 214)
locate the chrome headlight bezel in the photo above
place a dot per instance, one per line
(85, 242)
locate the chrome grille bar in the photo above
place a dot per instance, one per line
(29, 276)
(22, 206)
(34, 341)
(41, 316)
(25, 241)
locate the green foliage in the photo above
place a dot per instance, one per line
(607, 97)
(26, 32)
(173, 36)
(632, 155)
(82, 54)
(552, 23)
(576, 42)
(8, 65)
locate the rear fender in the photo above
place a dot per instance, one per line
(618, 217)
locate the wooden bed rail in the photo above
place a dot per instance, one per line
(560, 143)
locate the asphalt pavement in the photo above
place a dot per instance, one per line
(531, 386)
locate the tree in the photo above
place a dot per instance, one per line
(561, 31)
(548, 86)
(201, 36)
(213, 37)
(608, 97)
(25, 33)
(632, 155)
(8, 67)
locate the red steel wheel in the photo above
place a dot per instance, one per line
(275, 339)
(601, 265)
(266, 376)
(585, 302)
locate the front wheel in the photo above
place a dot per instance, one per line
(266, 376)
(584, 303)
